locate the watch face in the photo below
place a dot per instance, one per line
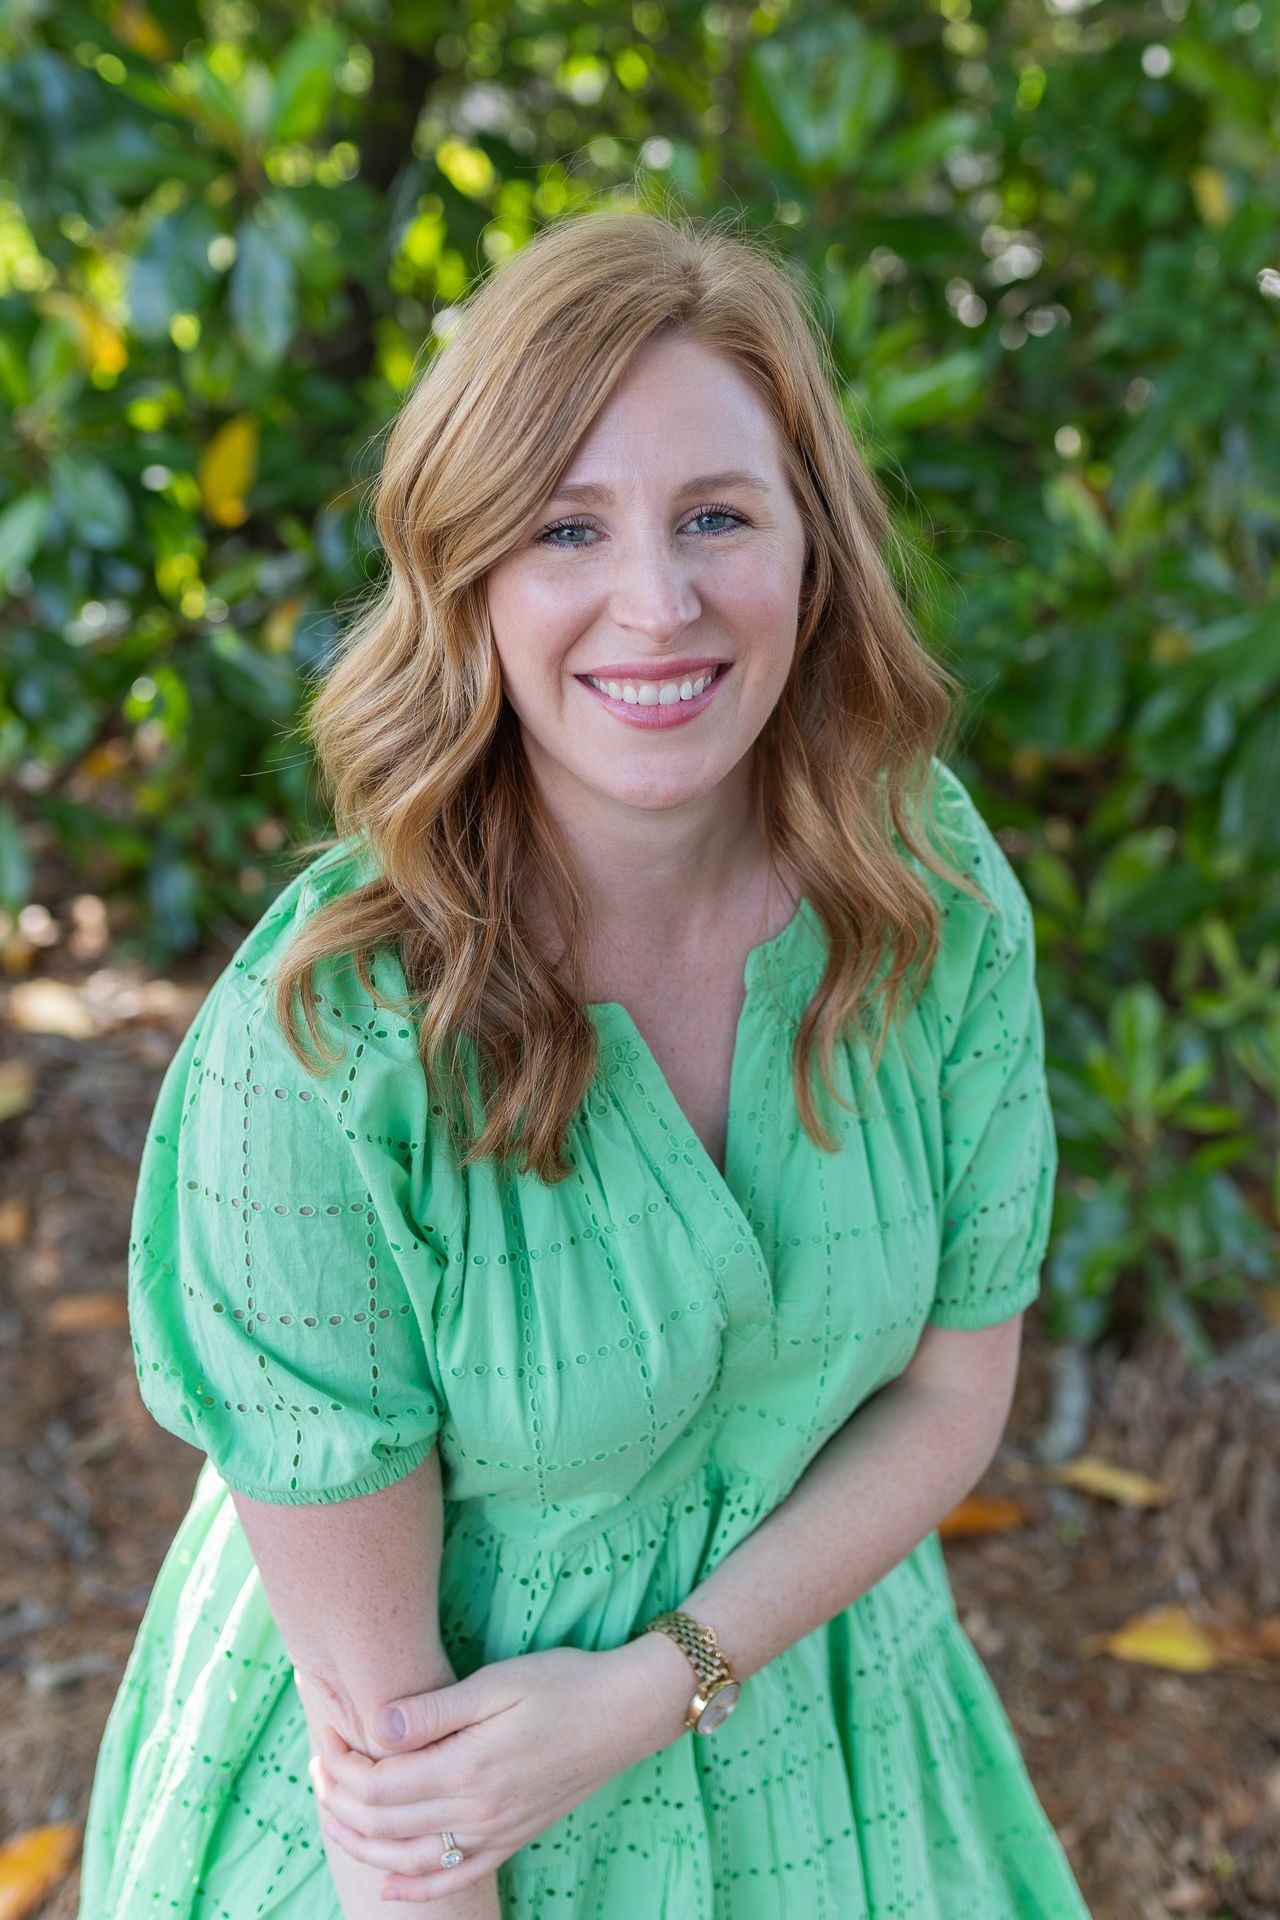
(719, 1706)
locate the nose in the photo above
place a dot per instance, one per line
(651, 591)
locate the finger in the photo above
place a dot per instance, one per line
(342, 1762)
(416, 1859)
(444, 1881)
(384, 1822)
(416, 1719)
(399, 1779)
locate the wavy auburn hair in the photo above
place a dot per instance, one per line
(421, 754)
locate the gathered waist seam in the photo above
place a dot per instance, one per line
(626, 1514)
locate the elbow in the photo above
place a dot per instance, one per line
(969, 1430)
(328, 1701)
(976, 1369)
(329, 1698)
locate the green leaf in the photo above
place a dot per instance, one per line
(917, 396)
(92, 500)
(15, 863)
(171, 272)
(126, 158)
(1074, 695)
(22, 525)
(1248, 819)
(815, 95)
(1136, 1023)
(304, 83)
(906, 155)
(263, 296)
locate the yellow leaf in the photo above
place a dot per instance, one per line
(1169, 646)
(1164, 1637)
(277, 628)
(17, 1088)
(105, 760)
(1094, 1475)
(139, 30)
(15, 1223)
(979, 1514)
(1212, 194)
(51, 1006)
(227, 470)
(106, 348)
(85, 1313)
(465, 167)
(17, 953)
(31, 1866)
(99, 344)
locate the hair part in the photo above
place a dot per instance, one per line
(421, 754)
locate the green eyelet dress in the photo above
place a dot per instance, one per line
(624, 1374)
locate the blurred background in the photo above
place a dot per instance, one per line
(1044, 242)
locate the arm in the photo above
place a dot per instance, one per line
(353, 1587)
(880, 1484)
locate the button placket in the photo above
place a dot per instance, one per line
(736, 1259)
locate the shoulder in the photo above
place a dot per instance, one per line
(951, 822)
(237, 1034)
(971, 846)
(976, 940)
(336, 870)
(246, 987)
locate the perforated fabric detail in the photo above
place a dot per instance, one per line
(624, 1375)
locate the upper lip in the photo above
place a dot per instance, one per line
(654, 669)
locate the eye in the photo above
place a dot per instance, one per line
(575, 520)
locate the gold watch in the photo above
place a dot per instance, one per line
(718, 1689)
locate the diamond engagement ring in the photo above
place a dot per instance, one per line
(453, 1856)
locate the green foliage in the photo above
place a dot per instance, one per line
(1045, 243)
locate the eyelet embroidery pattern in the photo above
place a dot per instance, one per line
(624, 1376)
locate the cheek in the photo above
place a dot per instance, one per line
(759, 597)
(532, 636)
(759, 612)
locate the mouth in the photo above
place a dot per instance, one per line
(688, 677)
(652, 712)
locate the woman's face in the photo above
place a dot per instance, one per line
(670, 550)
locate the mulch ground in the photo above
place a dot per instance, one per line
(1163, 1785)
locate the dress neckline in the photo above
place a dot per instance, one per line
(712, 1195)
(760, 960)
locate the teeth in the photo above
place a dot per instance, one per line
(653, 693)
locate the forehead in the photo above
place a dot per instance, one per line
(681, 413)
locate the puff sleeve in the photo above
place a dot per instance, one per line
(999, 1146)
(280, 1290)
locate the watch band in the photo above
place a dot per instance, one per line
(699, 1644)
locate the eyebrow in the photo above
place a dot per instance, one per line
(592, 490)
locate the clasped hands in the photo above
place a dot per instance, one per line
(495, 1758)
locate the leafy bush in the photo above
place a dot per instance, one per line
(1045, 244)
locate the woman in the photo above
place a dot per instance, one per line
(568, 1380)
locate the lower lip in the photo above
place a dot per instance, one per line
(673, 715)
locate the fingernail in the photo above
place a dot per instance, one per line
(391, 1724)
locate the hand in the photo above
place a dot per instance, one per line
(496, 1758)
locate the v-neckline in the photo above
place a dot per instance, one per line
(672, 1137)
(757, 959)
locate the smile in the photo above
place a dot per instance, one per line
(656, 703)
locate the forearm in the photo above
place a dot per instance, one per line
(353, 1587)
(881, 1483)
